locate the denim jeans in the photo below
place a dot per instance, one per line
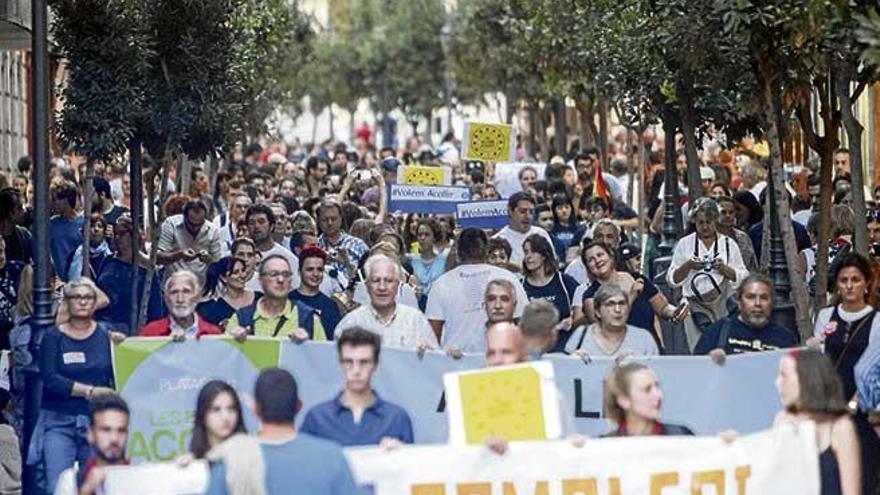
(64, 442)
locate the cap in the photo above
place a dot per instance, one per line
(706, 173)
(557, 160)
(276, 158)
(390, 164)
(628, 251)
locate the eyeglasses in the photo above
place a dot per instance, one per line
(615, 304)
(80, 297)
(276, 274)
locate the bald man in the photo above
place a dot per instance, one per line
(506, 345)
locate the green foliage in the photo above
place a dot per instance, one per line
(179, 75)
(105, 53)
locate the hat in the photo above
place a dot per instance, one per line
(390, 164)
(706, 173)
(276, 158)
(628, 251)
(557, 160)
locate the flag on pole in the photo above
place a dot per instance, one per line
(600, 187)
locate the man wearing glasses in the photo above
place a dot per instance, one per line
(274, 314)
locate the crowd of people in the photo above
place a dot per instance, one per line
(299, 242)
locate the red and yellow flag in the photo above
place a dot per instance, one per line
(600, 187)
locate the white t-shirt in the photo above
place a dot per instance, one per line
(516, 241)
(457, 299)
(578, 271)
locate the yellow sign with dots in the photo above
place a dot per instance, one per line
(512, 402)
(488, 142)
(425, 176)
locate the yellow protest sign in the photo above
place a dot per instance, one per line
(513, 402)
(424, 176)
(488, 142)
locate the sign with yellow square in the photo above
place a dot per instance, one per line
(488, 142)
(512, 402)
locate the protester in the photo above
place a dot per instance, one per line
(274, 314)
(645, 300)
(566, 232)
(230, 292)
(311, 270)
(398, 325)
(18, 239)
(75, 365)
(846, 330)
(261, 224)
(428, 265)
(539, 328)
(218, 417)
(751, 329)
(358, 416)
(544, 281)
(107, 435)
(520, 209)
(708, 267)
(99, 250)
(455, 305)
(810, 390)
(65, 227)
(182, 292)
(633, 400)
(188, 242)
(500, 301)
(228, 223)
(344, 250)
(611, 335)
(499, 253)
(289, 458)
(115, 281)
(726, 226)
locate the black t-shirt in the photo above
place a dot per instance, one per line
(641, 314)
(559, 292)
(742, 338)
(326, 308)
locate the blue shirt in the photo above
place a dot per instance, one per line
(867, 376)
(66, 235)
(304, 464)
(801, 238)
(334, 421)
(115, 281)
(428, 272)
(64, 360)
(326, 308)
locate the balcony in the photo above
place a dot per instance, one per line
(15, 24)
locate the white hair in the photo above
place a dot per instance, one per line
(193, 279)
(380, 258)
(79, 282)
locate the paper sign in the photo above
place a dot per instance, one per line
(488, 142)
(507, 176)
(439, 200)
(512, 402)
(425, 176)
(157, 479)
(482, 214)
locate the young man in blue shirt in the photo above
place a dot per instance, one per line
(358, 416)
(293, 461)
(311, 272)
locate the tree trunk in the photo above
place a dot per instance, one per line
(330, 114)
(799, 296)
(603, 132)
(688, 129)
(88, 187)
(630, 167)
(545, 141)
(137, 205)
(586, 115)
(561, 136)
(824, 146)
(429, 130)
(315, 127)
(351, 125)
(167, 163)
(854, 131)
(534, 118)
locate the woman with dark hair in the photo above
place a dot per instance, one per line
(566, 232)
(633, 400)
(427, 265)
(846, 329)
(218, 416)
(645, 299)
(810, 390)
(748, 210)
(543, 280)
(221, 190)
(230, 294)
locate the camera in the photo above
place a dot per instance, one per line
(363, 175)
(706, 263)
(875, 250)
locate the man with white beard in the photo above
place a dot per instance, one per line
(182, 292)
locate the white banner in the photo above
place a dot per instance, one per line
(157, 478)
(699, 394)
(778, 462)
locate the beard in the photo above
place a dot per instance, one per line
(108, 456)
(182, 311)
(755, 320)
